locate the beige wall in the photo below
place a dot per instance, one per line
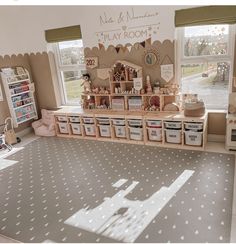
(39, 69)
(217, 123)
(41, 74)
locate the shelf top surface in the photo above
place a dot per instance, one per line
(129, 94)
(69, 110)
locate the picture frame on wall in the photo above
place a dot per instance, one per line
(150, 58)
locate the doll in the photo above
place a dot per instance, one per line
(86, 83)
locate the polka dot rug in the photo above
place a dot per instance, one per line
(54, 184)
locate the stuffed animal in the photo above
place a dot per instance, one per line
(86, 83)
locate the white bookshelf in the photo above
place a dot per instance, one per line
(19, 90)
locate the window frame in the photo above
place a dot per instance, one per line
(62, 68)
(181, 59)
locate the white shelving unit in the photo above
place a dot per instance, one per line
(19, 90)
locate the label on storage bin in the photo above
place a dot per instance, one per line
(192, 137)
(173, 125)
(154, 133)
(196, 126)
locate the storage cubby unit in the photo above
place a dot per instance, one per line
(151, 101)
(135, 128)
(89, 126)
(102, 101)
(88, 101)
(162, 129)
(75, 125)
(19, 91)
(134, 103)
(62, 125)
(193, 133)
(118, 103)
(154, 130)
(168, 103)
(104, 127)
(119, 128)
(173, 132)
(128, 92)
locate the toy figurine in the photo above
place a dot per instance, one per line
(95, 90)
(104, 103)
(101, 90)
(148, 83)
(91, 103)
(86, 83)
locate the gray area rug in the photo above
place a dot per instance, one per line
(68, 190)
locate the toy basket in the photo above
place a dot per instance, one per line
(135, 122)
(154, 123)
(88, 120)
(9, 132)
(173, 124)
(63, 128)
(76, 129)
(193, 126)
(105, 130)
(89, 129)
(120, 131)
(193, 138)
(154, 134)
(136, 133)
(74, 119)
(118, 122)
(173, 136)
(103, 121)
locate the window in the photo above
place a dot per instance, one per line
(70, 62)
(204, 55)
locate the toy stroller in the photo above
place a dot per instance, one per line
(3, 144)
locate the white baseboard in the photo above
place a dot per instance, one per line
(215, 138)
(24, 132)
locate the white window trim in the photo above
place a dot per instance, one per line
(60, 68)
(180, 59)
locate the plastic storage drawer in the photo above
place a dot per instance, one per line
(90, 130)
(193, 138)
(103, 121)
(63, 128)
(154, 134)
(118, 121)
(173, 124)
(62, 118)
(88, 120)
(154, 123)
(136, 133)
(76, 129)
(74, 119)
(173, 136)
(193, 126)
(105, 130)
(120, 131)
(135, 122)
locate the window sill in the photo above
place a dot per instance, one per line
(223, 111)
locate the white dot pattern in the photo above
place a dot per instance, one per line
(55, 177)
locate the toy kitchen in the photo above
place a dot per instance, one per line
(231, 123)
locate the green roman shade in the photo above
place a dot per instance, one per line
(207, 15)
(63, 34)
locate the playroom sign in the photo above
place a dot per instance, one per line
(122, 28)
